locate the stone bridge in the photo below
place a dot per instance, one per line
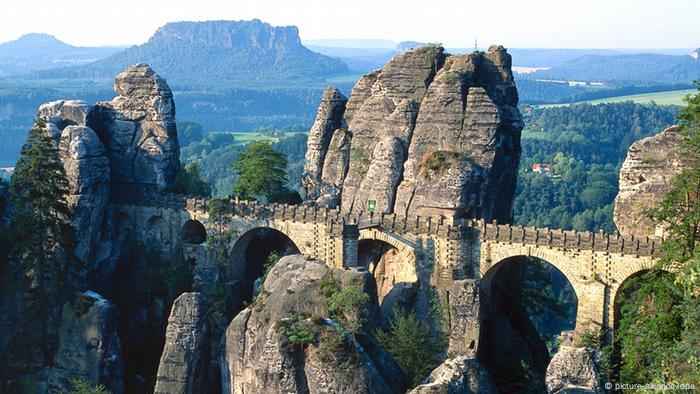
(440, 250)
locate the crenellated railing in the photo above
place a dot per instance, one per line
(418, 225)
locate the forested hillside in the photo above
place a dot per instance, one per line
(585, 145)
(633, 67)
(215, 54)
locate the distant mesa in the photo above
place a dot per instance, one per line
(227, 51)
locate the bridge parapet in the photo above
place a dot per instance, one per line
(568, 239)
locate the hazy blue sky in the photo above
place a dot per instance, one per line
(521, 23)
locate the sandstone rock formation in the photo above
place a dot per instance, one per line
(89, 348)
(138, 129)
(184, 363)
(645, 176)
(261, 357)
(574, 370)
(114, 148)
(459, 375)
(329, 118)
(86, 166)
(429, 133)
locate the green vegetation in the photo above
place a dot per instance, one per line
(410, 342)
(299, 335)
(659, 329)
(216, 152)
(586, 145)
(346, 305)
(43, 237)
(356, 156)
(189, 132)
(440, 161)
(262, 173)
(673, 97)
(434, 53)
(83, 387)
(190, 182)
(335, 347)
(549, 301)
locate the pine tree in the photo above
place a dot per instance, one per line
(42, 230)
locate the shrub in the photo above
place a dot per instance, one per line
(83, 387)
(334, 347)
(299, 335)
(410, 343)
(440, 161)
(356, 156)
(347, 307)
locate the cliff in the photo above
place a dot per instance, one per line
(430, 133)
(645, 176)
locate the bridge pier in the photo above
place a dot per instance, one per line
(351, 235)
(591, 310)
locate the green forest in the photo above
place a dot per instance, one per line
(586, 145)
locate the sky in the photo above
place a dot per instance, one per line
(455, 23)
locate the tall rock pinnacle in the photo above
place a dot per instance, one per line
(429, 134)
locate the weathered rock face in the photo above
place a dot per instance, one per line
(574, 370)
(261, 358)
(87, 169)
(645, 176)
(329, 118)
(89, 348)
(184, 363)
(459, 375)
(138, 129)
(427, 134)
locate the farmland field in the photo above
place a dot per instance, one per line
(674, 97)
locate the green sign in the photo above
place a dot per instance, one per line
(372, 205)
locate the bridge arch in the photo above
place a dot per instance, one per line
(193, 232)
(249, 256)
(391, 259)
(627, 273)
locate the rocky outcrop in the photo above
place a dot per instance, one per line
(329, 118)
(459, 375)
(574, 370)
(87, 169)
(88, 348)
(111, 151)
(262, 356)
(138, 129)
(429, 134)
(184, 363)
(645, 176)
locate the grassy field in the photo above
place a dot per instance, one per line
(244, 137)
(674, 97)
(529, 134)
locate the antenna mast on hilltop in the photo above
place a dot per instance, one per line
(476, 47)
